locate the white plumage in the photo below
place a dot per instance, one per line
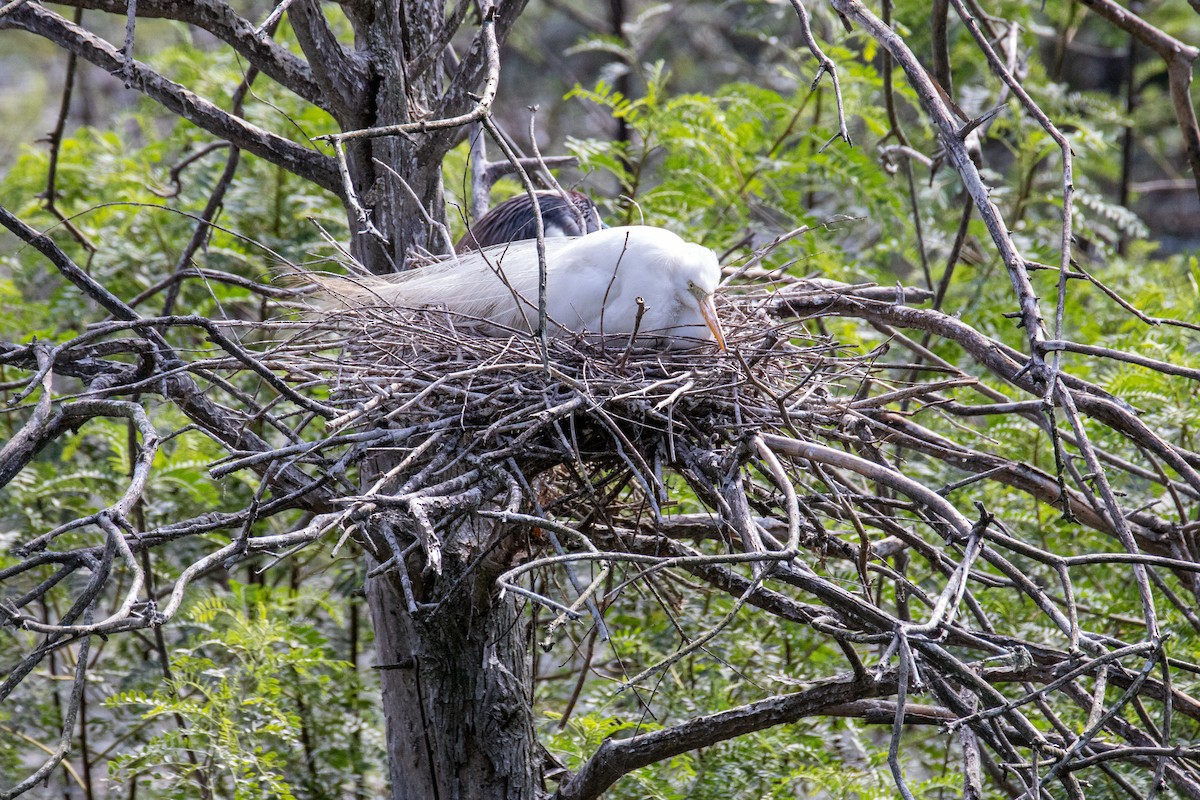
(593, 283)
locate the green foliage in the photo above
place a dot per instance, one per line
(269, 706)
(118, 190)
(272, 708)
(257, 705)
(744, 160)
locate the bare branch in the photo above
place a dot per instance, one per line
(68, 729)
(618, 757)
(826, 66)
(491, 48)
(306, 163)
(931, 102)
(1180, 59)
(219, 19)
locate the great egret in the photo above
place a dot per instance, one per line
(615, 282)
(513, 220)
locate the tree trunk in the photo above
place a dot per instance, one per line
(390, 33)
(456, 693)
(456, 689)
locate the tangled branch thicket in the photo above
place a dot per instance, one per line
(992, 545)
(792, 474)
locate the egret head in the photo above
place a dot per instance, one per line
(695, 270)
(513, 220)
(616, 268)
(703, 294)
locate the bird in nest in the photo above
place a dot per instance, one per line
(614, 283)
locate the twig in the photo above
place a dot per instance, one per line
(287, 154)
(539, 234)
(477, 114)
(1030, 312)
(68, 729)
(826, 66)
(1179, 58)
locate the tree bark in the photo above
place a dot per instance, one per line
(456, 691)
(399, 72)
(456, 687)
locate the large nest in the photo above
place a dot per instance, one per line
(606, 443)
(609, 401)
(821, 485)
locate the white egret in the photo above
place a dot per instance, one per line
(513, 220)
(615, 282)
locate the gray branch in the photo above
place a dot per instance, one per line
(301, 161)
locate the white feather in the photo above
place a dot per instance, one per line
(592, 285)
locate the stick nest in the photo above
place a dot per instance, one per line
(465, 424)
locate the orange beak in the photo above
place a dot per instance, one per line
(709, 311)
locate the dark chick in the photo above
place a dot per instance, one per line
(513, 220)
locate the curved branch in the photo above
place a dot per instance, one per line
(68, 727)
(811, 451)
(1151, 531)
(221, 21)
(825, 65)
(617, 758)
(1179, 58)
(190, 398)
(30, 439)
(1090, 399)
(296, 159)
(956, 150)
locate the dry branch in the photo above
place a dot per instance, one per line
(219, 19)
(471, 423)
(949, 135)
(791, 476)
(1180, 59)
(309, 164)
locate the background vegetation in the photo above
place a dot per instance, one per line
(697, 117)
